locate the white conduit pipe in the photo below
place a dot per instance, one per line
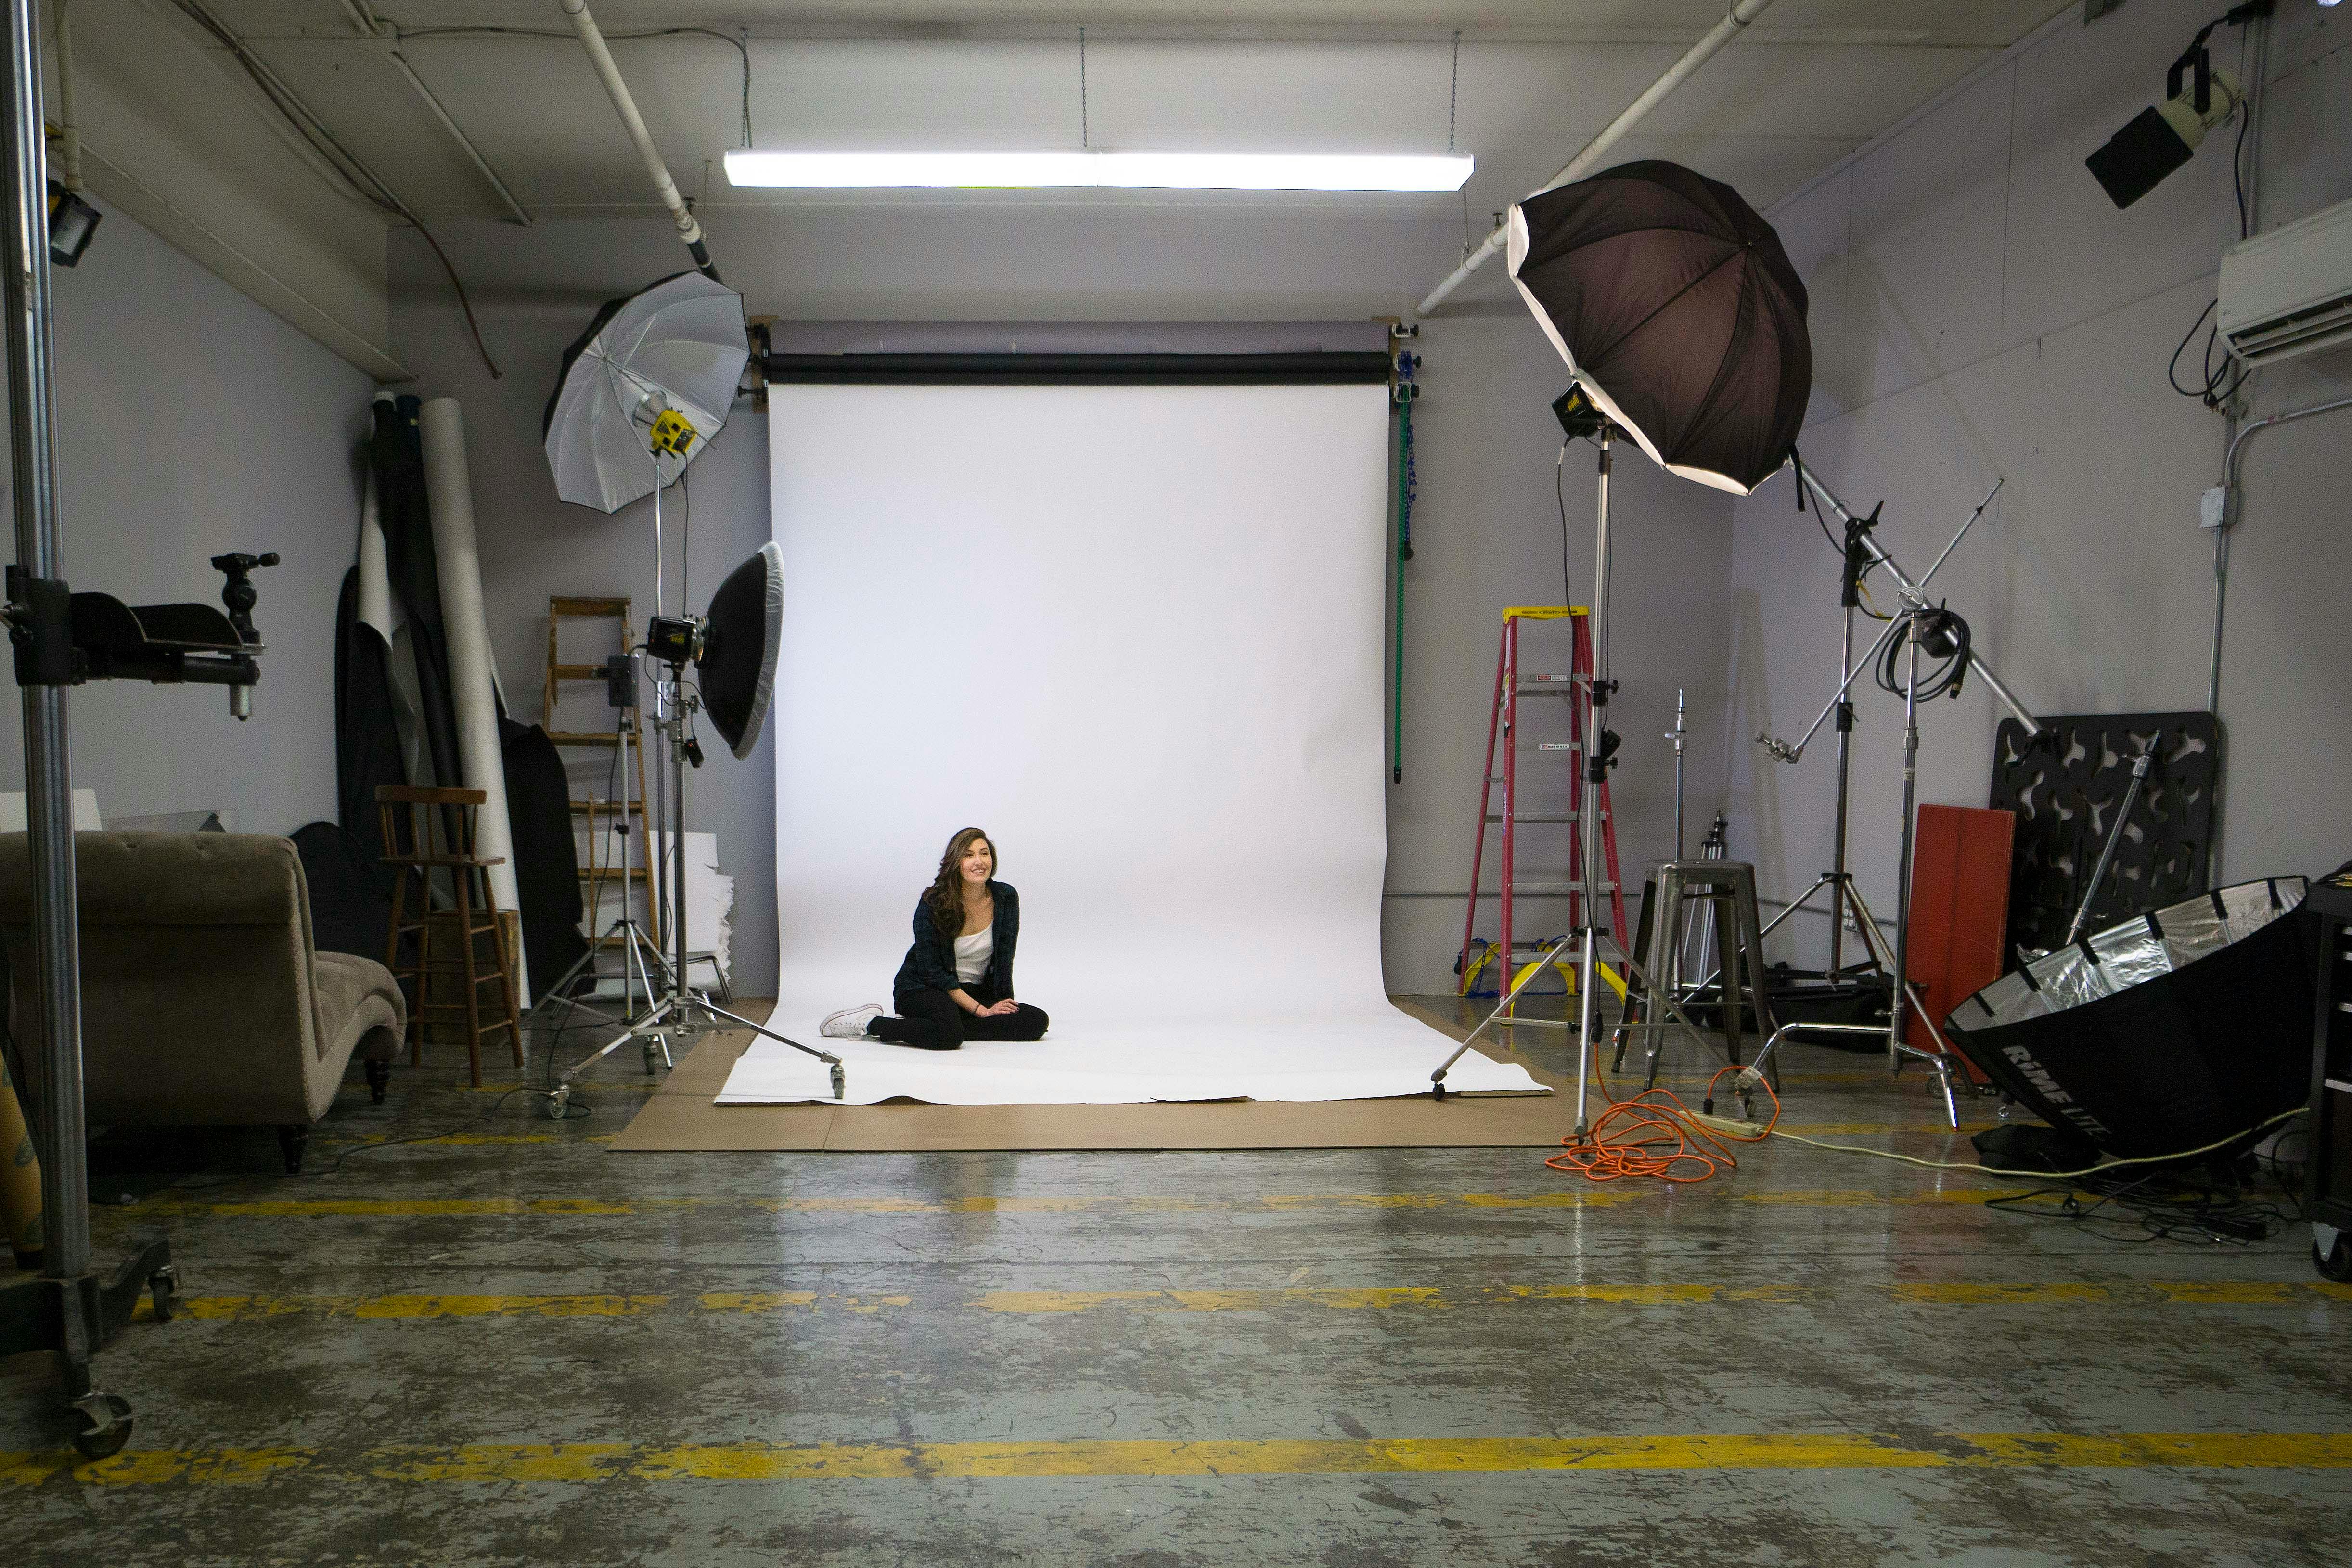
(591, 38)
(1735, 22)
(69, 127)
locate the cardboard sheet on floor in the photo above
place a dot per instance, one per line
(682, 1116)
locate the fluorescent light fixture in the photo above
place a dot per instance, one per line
(1146, 170)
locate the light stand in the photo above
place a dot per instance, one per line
(1600, 755)
(1863, 552)
(682, 1014)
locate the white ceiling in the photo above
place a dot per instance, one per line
(1810, 81)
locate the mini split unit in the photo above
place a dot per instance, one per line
(2289, 291)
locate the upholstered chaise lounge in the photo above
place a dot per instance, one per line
(203, 1000)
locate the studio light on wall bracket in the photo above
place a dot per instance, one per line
(1070, 170)
(2198, 95)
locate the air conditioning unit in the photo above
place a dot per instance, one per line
(2289, 291)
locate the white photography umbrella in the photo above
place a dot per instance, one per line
(645, 386)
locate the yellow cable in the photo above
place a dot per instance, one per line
(2031, 1175)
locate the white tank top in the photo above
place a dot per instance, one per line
(972, 953)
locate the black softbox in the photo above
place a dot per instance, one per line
(2167, 1033)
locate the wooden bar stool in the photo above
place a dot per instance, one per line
(427, 831)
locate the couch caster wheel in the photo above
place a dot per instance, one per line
(161, 1286)
(557, 1098)
(103, 1425)
(2335, 1263)
(379, 1077)
(653, 1059)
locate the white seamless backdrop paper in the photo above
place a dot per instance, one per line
(1135, 633)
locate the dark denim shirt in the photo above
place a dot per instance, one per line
(930, 963)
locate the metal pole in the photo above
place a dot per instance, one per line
(1903, 860)
(1588, 824)
(1845, 779)
(2140, 766)
(1677, 739)
(677, 829)
(48, 776)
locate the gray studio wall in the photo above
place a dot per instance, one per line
(1486, 531)
(1980, 309)
(192, 422)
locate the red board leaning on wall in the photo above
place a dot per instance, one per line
(1959, 909)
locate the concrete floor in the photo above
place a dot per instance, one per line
(507, 1345)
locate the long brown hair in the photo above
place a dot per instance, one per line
(945, 895)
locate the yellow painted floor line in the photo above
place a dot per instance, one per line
(510, 1464)
(1574, 1198)
(1379, 1298)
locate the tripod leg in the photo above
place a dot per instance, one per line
(1633, 998)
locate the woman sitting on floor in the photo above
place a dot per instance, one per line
(956, 981)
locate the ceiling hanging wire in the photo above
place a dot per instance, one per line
(1453, 91)
(738, 40)
(1453, 102)
(1086, 142)
(363, 181)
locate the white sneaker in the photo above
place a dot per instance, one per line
(849, 1024)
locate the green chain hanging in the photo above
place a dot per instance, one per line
(1408, 483)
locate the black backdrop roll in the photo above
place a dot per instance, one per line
(398, 456)
(367, 740)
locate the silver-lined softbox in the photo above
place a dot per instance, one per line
(2162, 1034)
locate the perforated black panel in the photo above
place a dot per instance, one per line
(2065, 794)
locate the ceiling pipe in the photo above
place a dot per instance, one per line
(68, 125)
(366, 23)
(1734, 23)
(457, 134)
(591, 38)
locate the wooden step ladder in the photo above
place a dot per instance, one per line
(624, 742)
(1504, 744)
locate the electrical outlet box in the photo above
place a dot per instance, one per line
(2213, 508)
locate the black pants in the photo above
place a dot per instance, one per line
(931, 1021)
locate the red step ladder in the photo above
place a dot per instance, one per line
(1504, 744)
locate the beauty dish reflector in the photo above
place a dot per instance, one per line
(737, 669)
(2166, 1033)
(1678, 310)
(644, 390)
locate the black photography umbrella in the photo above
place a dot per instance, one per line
(1684, 325)
(1678, 310)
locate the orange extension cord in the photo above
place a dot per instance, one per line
(1655, 1134)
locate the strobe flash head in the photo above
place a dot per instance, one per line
(673, 640)
(2198, 95)
(2161, 138)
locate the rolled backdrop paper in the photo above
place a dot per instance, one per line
(473, 688)
(1137, 634)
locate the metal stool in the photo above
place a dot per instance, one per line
(427, 831)
(1678, 893)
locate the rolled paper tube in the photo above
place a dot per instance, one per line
(450, 488)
